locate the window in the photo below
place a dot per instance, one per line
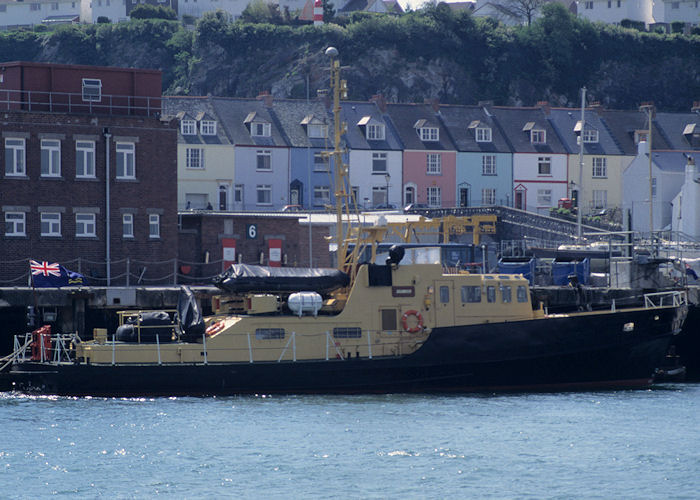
(445, 294)
(85, 159)
(506, 294)
(15, 224)
(269, 333)
(320, 163)
(590, 136)
(194, 158)
(348, 332)
(488, 196)
(14, 157)
(544, 165)
(675, 5)
(260, 129)
(389, 320)
(409, 194)
(379, 195)
(92, 90)
(488, 165)
(317, 130)
(434, 196)
(600, 198)
(208, 127)
(85, 225)
(429, 134)
(263, 160)
(600, 167)
(35, 6)
(54, 6)
(589, 5)
(264, 194)
(238, 193)
(128, 225)
(491, 293)
(125, 160)
(538, 136)
(434, 164)
(471, 294)
(522, 293)
(322, 195)
(378, 163)
(50, 224)
(653, 187)
(483, 134)
(50, 158)
(188, 127)
(544, 197)
(154, 226)
(375, 132)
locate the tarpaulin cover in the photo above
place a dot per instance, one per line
(189, 315)
(247, 278)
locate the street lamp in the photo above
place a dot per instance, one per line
(388, 178)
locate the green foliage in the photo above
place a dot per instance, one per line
(147, 11)
(637, 25)
(677, 26)
(259, 11)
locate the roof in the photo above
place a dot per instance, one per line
(405, 118)
(673, 161)
(194, 108)
(517, 123)
(678, 130)
(567, 123)
(462, 122)
(359, 114)
(622, 126)
(233, 113)
(290, 114)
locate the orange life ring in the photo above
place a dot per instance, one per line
(215, 328)
(419, 321)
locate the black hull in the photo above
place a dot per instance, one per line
(586, 352)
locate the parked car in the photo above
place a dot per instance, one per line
(411, 207)
(292, 208)
(385, 206)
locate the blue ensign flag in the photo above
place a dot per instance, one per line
(47, 274)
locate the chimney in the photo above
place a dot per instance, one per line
(380, 101)
(544, 106)
(322, 95)
(434, 103)
(696, 107)
(266, 97)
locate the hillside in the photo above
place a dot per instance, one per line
(432, 53)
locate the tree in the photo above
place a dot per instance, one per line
(258, 11)
(328, 11)
(146, 11)
(524, 10)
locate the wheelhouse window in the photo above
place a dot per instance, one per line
(15, 157)
(51, 224)
(15, 224)
(85, 225)
(506, 294)
(471, 294)
(491, 293)
(85, 159)
(50, 158)
(154, 226)
(126, 168)
(522, 293)
(350, 332)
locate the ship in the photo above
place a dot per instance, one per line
(407, 324)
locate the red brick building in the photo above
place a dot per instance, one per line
(61, 126)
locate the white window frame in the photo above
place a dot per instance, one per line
(127, 225)
(264, 192)
(542, 162)
(590, 136)
(260, 129)
(126, 160)
(50, 223)
(154, 226)
(85, 225)
(317, 130)
(86, 151)
(194, 158)
(379, 159)
(207, 127)
(50, 158)
(434, 196)
(238, 193)
(263, 156)
(544, 197)
(323, 165)
(92, 90)
(15, 224)
(322, 195)
(375, 132)
(588, 5)
(599, 198)
(15, 157)
(483, 134)
(538, 136)
(429, 134)
(488, 165)
(433, 164)
(600, 167)
(488, 196)
(188, 127)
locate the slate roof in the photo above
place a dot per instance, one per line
(461, 123)
(194, 108)
(405, 117)
(354, 113)
(673, 161)
(672, 127)
(516, 124)
(233, 113)
(622, 125)
(565, 120)
(290, 114)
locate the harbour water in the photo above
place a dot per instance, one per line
(621, 444)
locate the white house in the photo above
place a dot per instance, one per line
(686, 205)
(15, 13)
(114, 10)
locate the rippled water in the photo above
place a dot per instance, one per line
(631, 444)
